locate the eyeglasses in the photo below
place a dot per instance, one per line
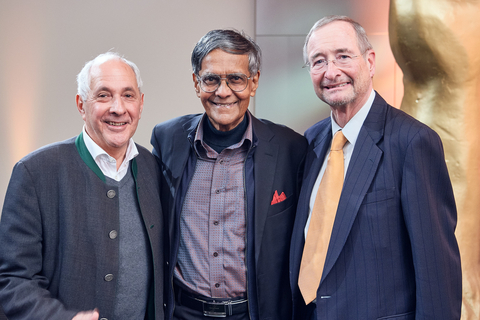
(342, 61)
(235, 81)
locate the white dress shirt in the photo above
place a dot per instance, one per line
(350, 131)
(107, 163)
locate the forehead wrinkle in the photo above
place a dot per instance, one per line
(336, 51)
(206, 74)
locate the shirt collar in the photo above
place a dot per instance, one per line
(98, 152)
(352, 128)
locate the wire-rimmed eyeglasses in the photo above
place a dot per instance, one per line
(235, 81)
(342, 60)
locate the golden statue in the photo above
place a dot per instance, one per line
(436, 43)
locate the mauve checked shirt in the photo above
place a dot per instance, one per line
(211, 256)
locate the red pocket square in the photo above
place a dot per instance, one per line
(278, 198)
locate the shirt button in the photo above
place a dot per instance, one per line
(217, 191)
(221, 161)
(217, 285)
(113, 234)
(111, 194)
(215, 223)
(109, 277)
(215, 254)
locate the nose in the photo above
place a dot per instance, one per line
(117, 106)
(331, 70)
(223, 89)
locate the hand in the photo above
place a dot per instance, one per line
(87, 315)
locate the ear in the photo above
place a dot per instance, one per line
(80, 106)
(254, 84)
(141, 106)
(196, 84)
(371, 62)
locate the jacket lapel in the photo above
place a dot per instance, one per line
(360, 173)
(265, 162)
(313, 164)
(318, 137)
(180, 147)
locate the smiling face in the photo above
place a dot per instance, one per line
(113, 107)
(224, 107)
(347, 87)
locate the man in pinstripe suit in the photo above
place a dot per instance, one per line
(392, 253)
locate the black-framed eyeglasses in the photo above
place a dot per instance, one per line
(235, 81)
(342, 60)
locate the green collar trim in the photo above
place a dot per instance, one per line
(87, 157)
(134, 168)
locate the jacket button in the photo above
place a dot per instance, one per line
(113, 234)
(103, 319)
(111, 194)
(109, 277)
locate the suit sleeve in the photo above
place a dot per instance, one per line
(23, 287)
(430, 216)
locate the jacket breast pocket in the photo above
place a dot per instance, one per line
(281, 206)
(381, 211)
(403, 316)
(379, 195)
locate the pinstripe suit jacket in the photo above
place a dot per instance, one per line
(393, 253)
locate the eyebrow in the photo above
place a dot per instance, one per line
(108, 89)
(337, 51)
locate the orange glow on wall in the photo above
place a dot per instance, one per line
(21, 66)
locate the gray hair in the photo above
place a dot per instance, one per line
(230, 41)
(84, 77)
(362, 39)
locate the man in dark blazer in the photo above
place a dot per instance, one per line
(233, 183)
(392, 253)
(81, 227)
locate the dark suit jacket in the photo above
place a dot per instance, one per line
(393, 253)
(54, 233)
(276, 160)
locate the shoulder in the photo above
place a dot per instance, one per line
(399, 130)
(290, 143)
(406, 127)
(279, 130)
(46, 165)
(147, 165)
(320, 127)
(175, 123)
(51, 153)
(144, 155)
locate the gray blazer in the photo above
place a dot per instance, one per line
(56, 253)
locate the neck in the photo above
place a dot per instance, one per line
(118, 155)
(342, 114)
(219, 140)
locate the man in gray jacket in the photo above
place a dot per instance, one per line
(81, 227)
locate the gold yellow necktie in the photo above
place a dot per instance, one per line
(321, 221)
